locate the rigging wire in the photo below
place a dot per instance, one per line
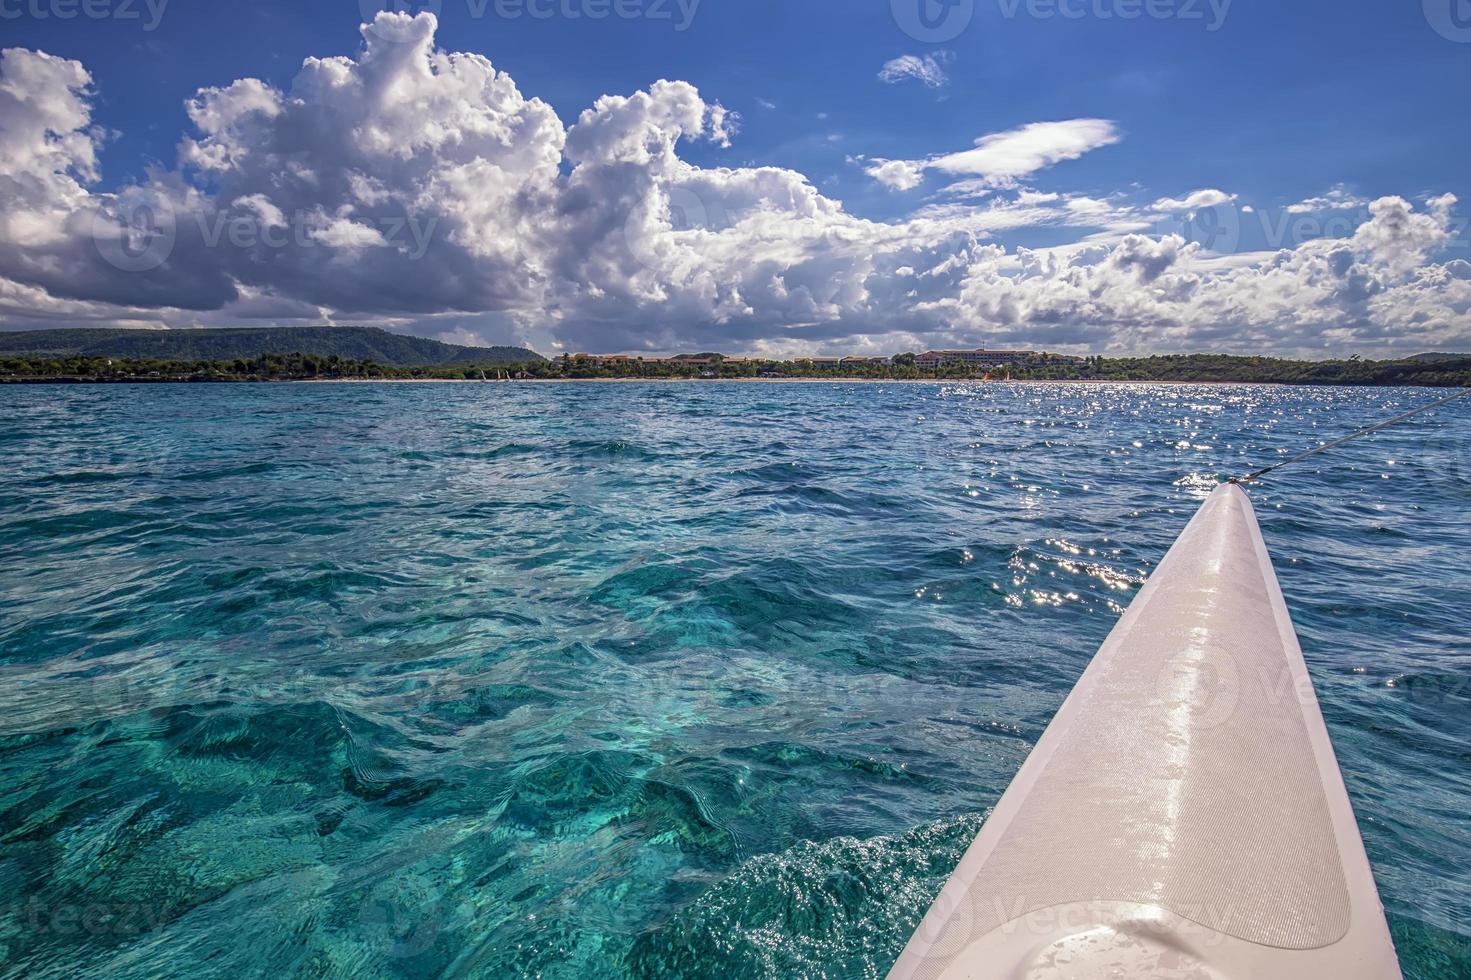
(1254, 475)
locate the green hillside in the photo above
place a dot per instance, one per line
(348, 343)
(1438, 356)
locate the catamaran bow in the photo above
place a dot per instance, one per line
(1183, 815)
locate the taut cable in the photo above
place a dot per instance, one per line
(1252, 477)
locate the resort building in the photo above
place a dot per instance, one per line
(614, 358)
(847, 360)
(980, 357)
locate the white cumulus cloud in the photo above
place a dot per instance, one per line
(1336, 199)
(901, 175)
(1205, 198)
(420, 188)
(1002, 159)
(928, 69)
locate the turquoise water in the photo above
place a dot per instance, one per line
(645, 680)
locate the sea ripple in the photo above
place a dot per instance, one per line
(646, 680)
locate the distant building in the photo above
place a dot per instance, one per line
(707, 357)
(980, 357)
(613, 358)
(846, 359)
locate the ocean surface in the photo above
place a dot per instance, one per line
(646, 680)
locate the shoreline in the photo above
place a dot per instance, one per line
(777, 381)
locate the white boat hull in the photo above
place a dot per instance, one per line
(1183, 815)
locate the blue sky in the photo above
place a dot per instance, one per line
(1282, 101)
(1268, 104)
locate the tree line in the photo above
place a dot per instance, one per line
(1442, 371)
(265, 367)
